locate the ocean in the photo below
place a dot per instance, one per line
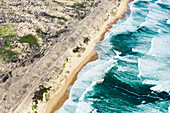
(132, 73)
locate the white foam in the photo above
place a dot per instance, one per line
(148, 108)
(159, 31)
(100, 81)
(143, 24)
(143, 102)
(168, 21)
(138, 50)
(83, 107)
(159, 1)
(160, 46)
(153, 82)
(117, 53)
(127, 58)
(164, 86)
(154, 67)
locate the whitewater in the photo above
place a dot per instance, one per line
(132, 73)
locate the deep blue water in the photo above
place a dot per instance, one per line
(132, 73)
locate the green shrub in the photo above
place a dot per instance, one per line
(78, 55)
(34, 107)
(75, 50)
(30, 39)
(8, 55)
(67, 72)
(6, 31)
(86, 40)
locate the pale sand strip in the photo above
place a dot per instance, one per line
(89, 55)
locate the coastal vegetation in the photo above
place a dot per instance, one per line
(30, 39)
(79, 49)
(86, 40)
(39, 96)
(7, 35)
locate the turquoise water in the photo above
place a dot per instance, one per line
(132, 73)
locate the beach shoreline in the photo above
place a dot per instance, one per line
(59, 99)
(90, 55)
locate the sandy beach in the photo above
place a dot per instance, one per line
(57, 101)
(89, 55)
